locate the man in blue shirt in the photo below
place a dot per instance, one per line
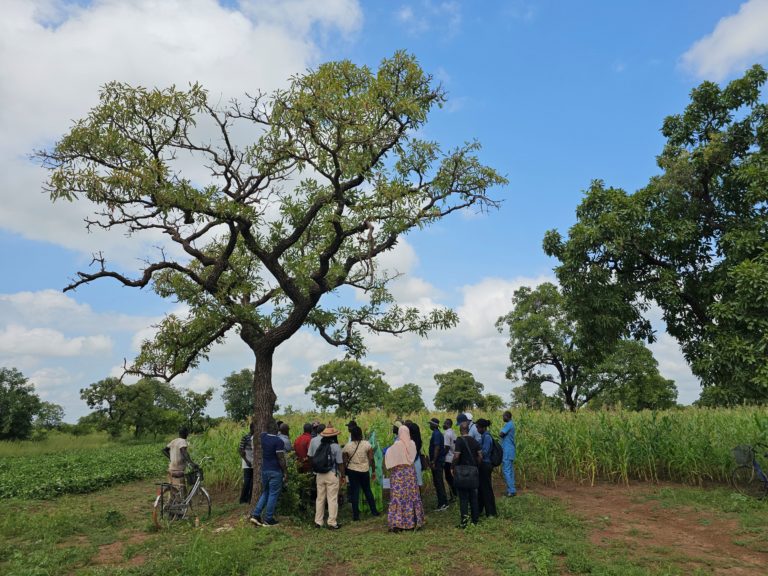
(507, 435)
(486, 499)
(273, 475)
(473, 431)
(436, 462)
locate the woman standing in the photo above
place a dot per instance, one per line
(405, 509)
(358, 456)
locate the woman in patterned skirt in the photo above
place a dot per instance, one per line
(405, 509)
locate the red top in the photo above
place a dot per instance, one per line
(301, 446)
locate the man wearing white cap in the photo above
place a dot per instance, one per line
(473, 432)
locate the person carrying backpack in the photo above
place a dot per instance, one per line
(486, 500)
(328, 466)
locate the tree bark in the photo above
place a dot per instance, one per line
(263, 407)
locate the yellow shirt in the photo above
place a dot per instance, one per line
(358, 462)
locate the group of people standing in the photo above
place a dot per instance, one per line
(465, 463)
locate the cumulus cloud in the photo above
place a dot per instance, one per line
(44, 342)
(736, 42)
(74, 49)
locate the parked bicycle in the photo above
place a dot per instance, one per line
(189, 501)
(748, 477)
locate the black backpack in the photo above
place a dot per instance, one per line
(323, 460)
(497, 454)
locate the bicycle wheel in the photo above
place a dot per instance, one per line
(745, 480)
(200, 505)
(168, 505)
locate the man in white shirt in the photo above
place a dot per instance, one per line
(176, 452)
(449, 439)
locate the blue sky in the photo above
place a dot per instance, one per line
(558, 93)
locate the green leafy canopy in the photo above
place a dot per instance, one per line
(332, 177)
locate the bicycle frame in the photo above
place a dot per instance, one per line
(183, 507)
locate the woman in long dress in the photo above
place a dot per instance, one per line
(405, 509)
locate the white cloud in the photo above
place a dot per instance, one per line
(486, 301)
(44, 342)
(428, 15)
(54, 56)
(737, 41)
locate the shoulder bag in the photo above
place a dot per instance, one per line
(466, 477)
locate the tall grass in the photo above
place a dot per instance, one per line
(690, 446)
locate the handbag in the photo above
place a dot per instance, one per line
(466, 477)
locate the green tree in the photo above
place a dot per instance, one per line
(349, 386)
(336, 174)
(546, 345)
(237, 393)
(693, 241)
(18, 405)
(404, 400)
(492, 403)
(49, 416)
(147, 407)
(193, 405)
(458, 390)
(629, 377)
(530, 395)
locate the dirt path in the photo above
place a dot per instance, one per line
(625, 517)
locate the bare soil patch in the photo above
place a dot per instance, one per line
(622, 517)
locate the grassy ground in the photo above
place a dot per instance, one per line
(542, 531)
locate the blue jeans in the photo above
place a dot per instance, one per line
(271, 485)
(508, 467)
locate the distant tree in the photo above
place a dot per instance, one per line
(18, 405)
(105, 398)
(629, 377)
(405, 400)
(492, 403)
(458, 390)
(237, 393)
(349, 386)
(193, 407)
(547, 344)
(49, 416)
(148, 407)
(530, 395)
(693, 241)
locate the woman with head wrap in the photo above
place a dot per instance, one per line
(405, 509)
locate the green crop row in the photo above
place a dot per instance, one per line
(691, 446)
(78, 471)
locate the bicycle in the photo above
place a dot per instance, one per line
(174, 502)
(748, 477)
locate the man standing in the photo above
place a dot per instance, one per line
(328, 464)
(282, 432)
(467, 417)
(246, 461)
(467, 453)
(509, 449)
(178, 458)
(437, 462)
(315, 442)
(301, 448)
(449, 439)
(273, 474)
(487, 500)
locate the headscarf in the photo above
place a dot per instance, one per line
(401, 452)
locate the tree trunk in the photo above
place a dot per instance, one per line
(263, 407)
